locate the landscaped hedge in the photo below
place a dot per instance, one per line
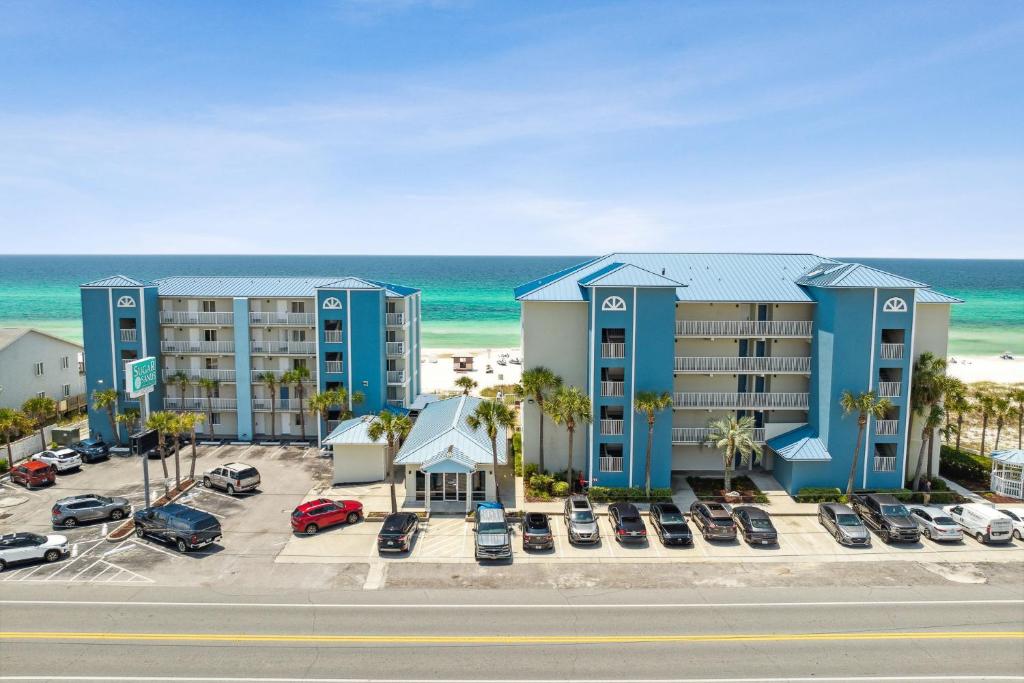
(834, 495)
(710, 488)
(965, 468)
(812, 494)
(605, 494)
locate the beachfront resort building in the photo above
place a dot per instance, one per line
(348, 332)
(777, 337)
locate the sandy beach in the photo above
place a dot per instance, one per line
(986, 369)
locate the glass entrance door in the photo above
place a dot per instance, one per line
(451, 486)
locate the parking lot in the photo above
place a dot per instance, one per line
(259, 551)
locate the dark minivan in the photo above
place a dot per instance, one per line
(186, 528)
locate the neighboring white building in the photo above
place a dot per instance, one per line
(358, 459)
(34, 363)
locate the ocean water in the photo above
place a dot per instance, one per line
(467, 300)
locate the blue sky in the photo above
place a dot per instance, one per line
(873, 129)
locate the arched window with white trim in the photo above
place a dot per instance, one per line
(613, 303)
(332, 303)
(126, 302)
(895, 305)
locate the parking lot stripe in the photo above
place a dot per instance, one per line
(69, 563)
(150, 546)
(787, 679)
(83, 571)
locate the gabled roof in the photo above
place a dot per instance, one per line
(442, 425)
(800, 445)
(353, 432)
(540, 282)
(626, 275)
(241, 286)
(395, 290)
(930, 296)
(349, 283)
(450, 459)
(1011, 456)
(830, 274)
(9, 335)
(116, 281)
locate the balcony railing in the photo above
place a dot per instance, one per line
(396, 402)
(609, 464)
(284, 348)
(889, 389)
(613, 388)
(743, 328)
(396, 319)
(196, 375)
(740, 401)
(332, 336)
(699, 435)
(274, 318)
(892, 351)
(335, 367)
(887, 427)
(200, 404)
(395, 348)
(197, 346)
(885, 463)
(129, 334)
(197, 318)
(611, 427)
(263, 405)
(613, 350)
(770, 365)
(256, 376)
(396, 376)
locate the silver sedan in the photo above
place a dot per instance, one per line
(935, 524)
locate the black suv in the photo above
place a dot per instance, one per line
(537, 532)
(670, 525)
(91, 450)
(185, 527)
(396, 534)
(713, 520)
(887, 516)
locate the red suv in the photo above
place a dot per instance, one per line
(314, 515)
(33, 473)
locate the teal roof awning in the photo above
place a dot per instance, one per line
(800, 445)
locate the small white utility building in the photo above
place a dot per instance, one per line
(358, 459)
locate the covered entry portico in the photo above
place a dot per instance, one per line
(450, 478)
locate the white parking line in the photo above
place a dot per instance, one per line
(150, 546)
(81, 572)
(71, 562)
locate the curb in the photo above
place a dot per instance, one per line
(127, 526)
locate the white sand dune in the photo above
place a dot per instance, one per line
(986, 369)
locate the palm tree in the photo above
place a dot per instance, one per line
(269, 379)
(537, 382)
(319, 404)
(732, 436)
(650, 403)
(188, 422)
(569, 406)
(1001, 410)
(13, 422)
(297, 376)
(181, 380)
(1017, 395)
(394, 428)
(39, 409)
(954, 388)
(107, 400)
(958, 404)
(467, 384)
(986, 404)
(163, 422)
(492, 416)
(209, 387)
(929, 384)
(864, 404)
(177, 429)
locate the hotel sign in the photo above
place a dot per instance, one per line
(141, 376)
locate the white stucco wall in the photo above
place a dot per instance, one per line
(931, 333)
(17, 369)
(359, 463)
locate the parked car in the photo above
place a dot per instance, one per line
(713, 520)
(537, 532)
(935, 524)
(397, 532)
(314, 515)
(984, 523)
(670, 524)
(33, 473)
(626, 522)
(234, 477)
(844, 524)
(25, 547)
(580, 521)
(91, 450)
(1016, 516)
(62, 460)
(184, 527)
(755, 525)
(493, 537)
(887, 516)
(88, 507)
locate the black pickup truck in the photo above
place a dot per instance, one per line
(887, 516)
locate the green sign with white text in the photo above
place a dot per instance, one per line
(141, 376)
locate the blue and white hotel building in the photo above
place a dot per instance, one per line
(775, 336)
(349, 332)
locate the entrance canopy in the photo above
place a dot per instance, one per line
(449, 461)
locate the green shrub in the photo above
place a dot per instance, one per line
(560, 489)
(4, 465)
(964, 467)
(540, 484)
(604, 494)
(530, 469)
(816, 494)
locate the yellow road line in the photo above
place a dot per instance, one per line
(506, 640)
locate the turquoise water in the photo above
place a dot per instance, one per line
(467, 300)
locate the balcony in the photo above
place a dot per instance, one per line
(609, 464)
(699, 435)
(887, 427)
(263, 405)
(396, 377)
(129, 334)
(275, 319)
(743, 328)
(335, 367)
(396, 402)
(613, 350)
(611, 427)
(256, 376)
(732, 364)
(332, 336)
(197, 346)
(889, 389)
(892, 351)
(740, 401)
(284, 348)
(885, 463)
(613, 389)
(395, 348)
(200, 405)
(197, 318)
(196, 375)
(395, 319)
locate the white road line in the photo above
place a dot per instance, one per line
(560, 605)
(812, 679)
(74, 551)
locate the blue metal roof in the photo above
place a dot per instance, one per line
(116, 281)
(353, 432)
(855, 275)
(800, 445)
(441, 425)
(449, 460)
(1012, 456)
(395, 290)
(233, 286)
(627, 275)
(930, 296)
(527, 287)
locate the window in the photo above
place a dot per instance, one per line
(67, 390)
(41, 394)
(210, 335)
(211, 363)
(209, 306)
(126, 302)
(298, 335)
(215, 419)
(613, 303)
(65, 363)
(895, 305)
(610, 457)
(298, 307)
(38, 367)
(332, 303)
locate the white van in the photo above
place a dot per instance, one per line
(985, 523)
